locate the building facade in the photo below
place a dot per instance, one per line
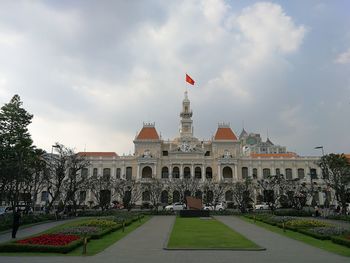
(224, 158)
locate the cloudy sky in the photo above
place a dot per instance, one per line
(92, 71)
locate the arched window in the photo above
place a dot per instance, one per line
(146, 196)
(313, 173)
(208, 173)
(187, 173)
(164, 197)
(301, 173)
(227, 172)
(255, 173)
(176, 172)
(106, 174)
(198, 173)
(128, 175)
(84, 173)
(278, 171)
(117, 173)
(229, 196)
(165, 172)
(289, 174)
(266, 172)
(244, 172)
(176, 196)
(94, 172)
(147, 172)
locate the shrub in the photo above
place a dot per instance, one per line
(293, 212)
(330, 230)
(81, 230)
(342, 240)
(306, 223)
(17, 247)
(99, 223)
(281, 219)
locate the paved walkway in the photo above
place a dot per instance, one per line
(145, 244)
(32, 230)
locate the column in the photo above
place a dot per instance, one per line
(181, 171)
(203, 173)
(155, 171)
(219, 172)
(137, 172)
(192, 170)
(170, 171)
(236, 173)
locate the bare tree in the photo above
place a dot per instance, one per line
(133, 193)
(214, 191)
(155, 187)
(242, 193)
(336, 173)
(76, 180)
(100, 188)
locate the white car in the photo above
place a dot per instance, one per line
(262, 206)
(218, 207)
(5, 210)
(175, 207)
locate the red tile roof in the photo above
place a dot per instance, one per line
(273, 155)
(225, 133)
(148, 133)
(98, 154)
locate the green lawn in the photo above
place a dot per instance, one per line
(94, 246)
(197, 233)
(322, 244)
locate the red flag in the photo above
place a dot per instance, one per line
(189, 80)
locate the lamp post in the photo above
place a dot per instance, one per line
(320, 147)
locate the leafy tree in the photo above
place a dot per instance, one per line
(336, 173)
(16, 148)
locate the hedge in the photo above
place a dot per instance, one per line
(341, 241)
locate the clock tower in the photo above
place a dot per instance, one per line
(186, 129)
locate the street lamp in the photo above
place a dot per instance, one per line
(320, 147)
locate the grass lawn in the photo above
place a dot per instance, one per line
(94, 246)
(196, 233)
(322, 244)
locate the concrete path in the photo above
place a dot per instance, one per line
(32, 230)
(145, 244)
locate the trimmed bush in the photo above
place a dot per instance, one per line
(343, 240)
(6, 220)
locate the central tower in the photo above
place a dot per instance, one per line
(186, 129)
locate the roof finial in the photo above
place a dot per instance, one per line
(186, 97)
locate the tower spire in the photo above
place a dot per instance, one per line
(186, 129)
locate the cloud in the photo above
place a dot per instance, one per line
(343, 58)
(99, 71)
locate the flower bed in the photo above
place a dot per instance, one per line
(54, 243)
(99, 223)
(50, 240)
(310, 223)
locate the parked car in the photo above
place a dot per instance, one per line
(218, 207)
(5, 210)
(175, 207)
(262, 206)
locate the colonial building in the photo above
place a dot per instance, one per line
(223, 158)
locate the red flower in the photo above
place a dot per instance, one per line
(50, 240)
